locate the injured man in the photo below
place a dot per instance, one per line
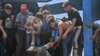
(40, 51)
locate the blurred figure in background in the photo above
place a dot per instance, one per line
(96, 38)
(20, 22)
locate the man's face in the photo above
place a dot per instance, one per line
(36, 20)
(24, 8)
(52, 24)
(65, 24)
(67, 8)
(8, 10)
(45, 15)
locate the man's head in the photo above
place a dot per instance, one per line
(39, 16)
(52, 23)
(24, 8)
(46, 13)
(64, 19)
(65, 23)
(67, 6)
(8, 8)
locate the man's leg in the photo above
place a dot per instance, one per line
(21, 43)
(80, 45)
(2, 47)
(10, 42)
(69, 42)
(28, 40)
(64, 47)
(98, 48)
(77, 36)
(37, 41)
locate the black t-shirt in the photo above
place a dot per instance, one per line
(8, 20)
(75, 14)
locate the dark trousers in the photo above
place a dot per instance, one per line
(80, 44)
(59, 50)
(1, 46)
(21, 40)
(97, 48)
(10, 43)
(44, 38)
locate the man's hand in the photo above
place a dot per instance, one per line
(51, 44)
(31, 49)
(58, 42)
(4, 35)
(64, 36)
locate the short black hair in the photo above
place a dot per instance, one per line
(66, 4)
(46, 12)
(64, 19)
(39, 16)
(52, 20)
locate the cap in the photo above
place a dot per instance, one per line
(8, 6)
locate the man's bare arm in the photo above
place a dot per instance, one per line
(60, 33)
(2, 29)
(71, 27)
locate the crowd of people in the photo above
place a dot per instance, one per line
(41, 34)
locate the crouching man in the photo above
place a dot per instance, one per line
(65, 36)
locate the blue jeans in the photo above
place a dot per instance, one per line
(67, 44)
(28, 40)
(37, 41)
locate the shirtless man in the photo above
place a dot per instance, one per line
(33, 26)
(65, 39)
